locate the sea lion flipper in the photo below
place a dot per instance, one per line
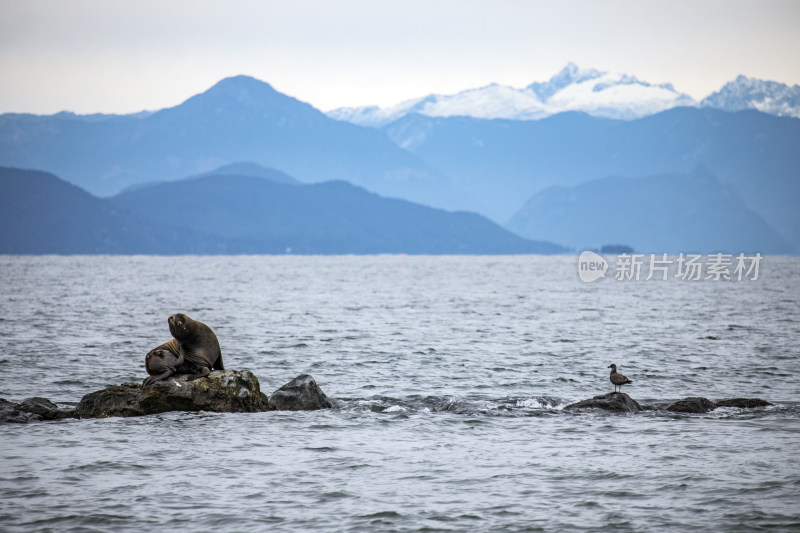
(218, 364)
(152, 379)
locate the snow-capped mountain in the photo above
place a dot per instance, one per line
(604, 94)
(492, 101)
(751, 93)
(592, 91)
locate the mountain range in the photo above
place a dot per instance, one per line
(233, 214)
(504, 162)
(489, 166)
(238, 119)
(690, 212)
(42, 214)
(597, 93)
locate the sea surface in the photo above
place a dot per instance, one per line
(450, 377)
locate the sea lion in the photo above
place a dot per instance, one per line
(162, 362)
(199, 351)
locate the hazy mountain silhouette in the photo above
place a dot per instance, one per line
(331, 217)
(238, 119)
(240, 168)
(503, 162)
(42, 214)
(246, 168)
(667, 213)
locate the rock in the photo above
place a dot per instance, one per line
(10, 413)
(694, 404)
(300, 394)
(46, 409)
(744, 403)
(613, 401)
(228, 391)
(116, 400)
(225, 391)
(32, 410)
(5, 404)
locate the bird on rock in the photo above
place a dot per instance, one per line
(617, 379)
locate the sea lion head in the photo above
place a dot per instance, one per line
(179, 325)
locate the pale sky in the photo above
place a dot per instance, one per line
(120, 56)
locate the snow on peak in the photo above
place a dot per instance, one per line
(752, 93)
(567, 76)
(571, 89)
(617, 96)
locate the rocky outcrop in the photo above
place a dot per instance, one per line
(743, 403)
(234, 391)
(613, 401)
(225, 391)
(115, 400)
(300, 394)
(228, 391)
(695, 404)
(32, 410)
(621, 402)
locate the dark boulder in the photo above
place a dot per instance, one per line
(694, 404)
(229, 391)
(115, 400)
(226, 391)
(46, 409)
(743, 403)
(300, 394)
(613, 401)
(32, 410)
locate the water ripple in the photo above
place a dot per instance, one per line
(450, 376)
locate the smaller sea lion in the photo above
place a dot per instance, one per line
(199, 348)
(162, 362)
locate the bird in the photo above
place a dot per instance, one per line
(617, 379)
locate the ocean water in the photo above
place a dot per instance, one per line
(450, 376)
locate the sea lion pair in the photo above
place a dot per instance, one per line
(194, 349)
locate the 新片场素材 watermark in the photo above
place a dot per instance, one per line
(687, 267)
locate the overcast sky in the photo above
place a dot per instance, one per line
(125, 56)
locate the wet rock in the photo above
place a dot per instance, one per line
(613, 401)
(228, 391)
(694, 404)
(32, 410)
(11, 414)
(300, 394)
(46, 409)
(116, 400)
(743, 403)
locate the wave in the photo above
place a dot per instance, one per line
(522, 406)
(508, 406)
